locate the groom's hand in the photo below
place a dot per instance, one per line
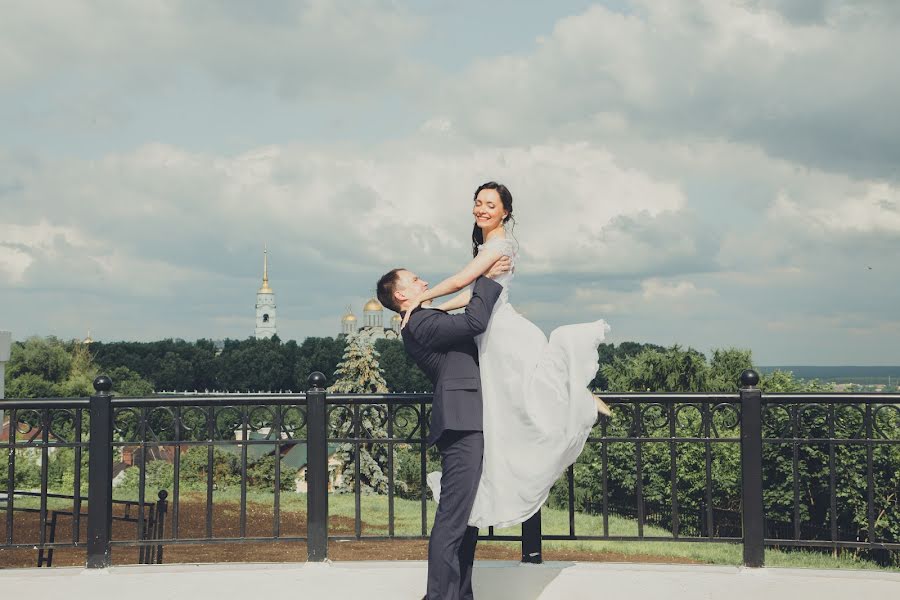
(500, 267)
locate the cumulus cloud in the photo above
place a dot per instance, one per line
(347, 211)
(297, 48)
(818, 92)
(875, 208)
(20, 243)
(673, 290)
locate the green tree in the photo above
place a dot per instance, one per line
(254, 365)
(31, 385)
(46, 357)
(79, 382)
(359, 372)
(669, 370)
(725, 369)
(128, 384)
(607, 353)
(48, 367)
(322, 354)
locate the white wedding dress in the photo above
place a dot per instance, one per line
(538, 411)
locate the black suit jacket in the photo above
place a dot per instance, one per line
(443, 345)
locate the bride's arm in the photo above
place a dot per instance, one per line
(502, 266)
(477, 266)
(458, 301)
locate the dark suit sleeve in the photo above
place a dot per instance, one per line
(438, 330)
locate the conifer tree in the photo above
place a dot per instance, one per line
(359, 372)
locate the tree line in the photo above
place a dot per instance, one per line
(50, 367)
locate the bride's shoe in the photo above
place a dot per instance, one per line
(602, 407)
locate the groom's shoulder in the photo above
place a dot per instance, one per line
(420, 318)
(419, 315)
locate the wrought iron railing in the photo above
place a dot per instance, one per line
(633, 463)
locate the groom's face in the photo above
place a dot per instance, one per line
(409, 285)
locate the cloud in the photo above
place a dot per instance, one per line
(20, 244)
(160, 222)
(818, 92)
(672, 290)
(871, 208)
(297, 48)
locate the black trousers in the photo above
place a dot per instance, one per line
(451, 547)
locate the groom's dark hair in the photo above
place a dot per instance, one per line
(385, 289)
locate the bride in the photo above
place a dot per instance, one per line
(538, 411)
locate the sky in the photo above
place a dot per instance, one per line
(707, 173)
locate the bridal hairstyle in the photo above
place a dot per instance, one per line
(385, 289)
(505, 197)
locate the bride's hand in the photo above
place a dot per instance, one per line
(414, 304)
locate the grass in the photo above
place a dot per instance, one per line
(407, 522)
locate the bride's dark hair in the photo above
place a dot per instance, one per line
(505, 197)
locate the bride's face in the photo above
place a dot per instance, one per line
(488, 210)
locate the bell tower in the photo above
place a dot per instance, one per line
(265, 304)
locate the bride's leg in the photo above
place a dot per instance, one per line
(602, 407)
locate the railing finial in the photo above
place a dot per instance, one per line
(749, 379)
(316, 381)
(102, 385)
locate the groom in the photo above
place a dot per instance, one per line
(443, 346)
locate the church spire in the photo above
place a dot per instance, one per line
(265, 303)
(265, 289)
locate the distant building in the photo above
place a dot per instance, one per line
(265, 304)
(372, 328)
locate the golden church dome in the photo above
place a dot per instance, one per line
(373, 304)
(396, 318)
(348, 317)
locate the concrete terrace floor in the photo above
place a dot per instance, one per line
(499, 580)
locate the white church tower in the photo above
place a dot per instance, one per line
(265, 304)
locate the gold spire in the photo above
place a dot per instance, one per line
(265, 289)
(88, 341)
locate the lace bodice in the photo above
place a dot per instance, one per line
(507, 247)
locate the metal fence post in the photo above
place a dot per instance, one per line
(99, 529)
(531, 540)
(162, 507)
(316, 470)
(752, 508)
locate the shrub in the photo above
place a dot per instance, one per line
(226, 468)
(261, 475)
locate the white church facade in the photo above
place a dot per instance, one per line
(265, 305)
(372, 327)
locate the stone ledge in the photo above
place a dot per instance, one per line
(499, 580)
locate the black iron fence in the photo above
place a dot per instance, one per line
(786, 470)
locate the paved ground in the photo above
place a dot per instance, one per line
(493, 580)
